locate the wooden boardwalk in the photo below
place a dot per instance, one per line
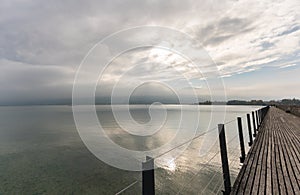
(272, 165)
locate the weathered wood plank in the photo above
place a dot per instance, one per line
(288, 148)
(268, 159)
(251, 171)
(284, 182)
(274, 175)
(272, 165)
(259, 166)
(262, 185)
(246, 169)
(289, 159)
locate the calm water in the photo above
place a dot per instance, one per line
(41, 151)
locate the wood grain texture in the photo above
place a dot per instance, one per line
(272, 165)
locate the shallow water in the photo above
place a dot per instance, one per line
(41, 151)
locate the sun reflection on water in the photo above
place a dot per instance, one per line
(171, 165)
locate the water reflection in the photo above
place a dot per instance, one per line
(42, 153)
(167, 163)
(171, 166)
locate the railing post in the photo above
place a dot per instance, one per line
(249, 130)
(257, 123)
(259, 116)
(253, 121)
(148, 176)
(242, 145)
(263, 113)
(224, 158)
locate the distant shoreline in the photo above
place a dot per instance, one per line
(286, 102)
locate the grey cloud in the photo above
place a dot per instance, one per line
(61, 32)
(266, 45)
(222, 30)
(233, 24)
(217, 40)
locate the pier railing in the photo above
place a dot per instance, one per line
(213, 173)
(257, 118)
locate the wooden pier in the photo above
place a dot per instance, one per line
(272, 165)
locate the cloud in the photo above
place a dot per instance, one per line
(223, 30)
(43, 43)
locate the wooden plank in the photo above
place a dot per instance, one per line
(291, 158)
(295, 161)
(268, 189)
(281, 183)
(294, 144)
(258, 178)
(243, 177)
(253, 169)
(289, 162)
(287, 189)
(274, 175)
(246, 169)
(272, 165)
(262, 185)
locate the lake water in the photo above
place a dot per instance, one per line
(41, 151)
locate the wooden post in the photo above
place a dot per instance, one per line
(224, 158)
(254, 128)
(242, 145)
(263, 113)
(257, 123)
(259, 116)
(249, 130)
(148, 176)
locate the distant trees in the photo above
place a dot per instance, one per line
(242, 102)
(290, 102)
(205, 103)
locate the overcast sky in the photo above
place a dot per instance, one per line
(254, 44)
